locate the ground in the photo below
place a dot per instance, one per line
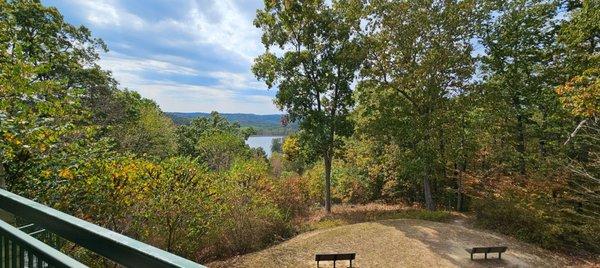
(398, 243)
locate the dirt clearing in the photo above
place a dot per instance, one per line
(398, 243)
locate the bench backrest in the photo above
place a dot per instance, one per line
(335, 256)
(489, 249)
(480, 250)
(498, 249)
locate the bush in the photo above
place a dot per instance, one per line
(183, 206)
(545, 225)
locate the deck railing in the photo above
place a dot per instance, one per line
(19, 249)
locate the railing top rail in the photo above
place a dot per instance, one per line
(114, 246)
(48, 253)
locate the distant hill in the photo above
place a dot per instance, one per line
(268, 124)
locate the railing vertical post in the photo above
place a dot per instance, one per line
(29, 258)
(2, 237)
(21, 256)
(14, 256)
(6, 252)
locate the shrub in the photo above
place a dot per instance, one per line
(543, 224)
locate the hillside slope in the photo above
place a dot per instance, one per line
(267, 124)
(398, 243)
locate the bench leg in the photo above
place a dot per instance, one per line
(486, 256)
(350, 263)
(333, 264)
(471, 256)
(499, 255)
(317, 264)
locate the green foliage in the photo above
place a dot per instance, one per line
(541, 221)
(188, 135)
(219, 149)
(145, 130)
(68, 53)
(520, 45)
(297, 154)
(180, 205)
(321, 54)
(39, 132)
(276, 146)
(71, 139)
(406, 84)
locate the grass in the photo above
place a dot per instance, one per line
(396, 243)
(350, 214)
(393, 236)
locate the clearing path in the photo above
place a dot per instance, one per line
(398, 243)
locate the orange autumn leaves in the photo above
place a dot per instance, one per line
(581, 94)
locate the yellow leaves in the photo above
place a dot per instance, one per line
(42, 147)
(291, 147)
(12, 139)
(581, 94)
(46, 174)
(66, 174)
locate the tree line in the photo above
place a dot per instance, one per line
(483, 105)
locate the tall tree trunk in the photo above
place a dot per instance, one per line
(427, 191)
(459, 197)
(520, 132)
(459, 200)
(521, 142)
(428, 154)
(443, 153)
(328, 159)
(463, 164)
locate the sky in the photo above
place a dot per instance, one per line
(187, 55)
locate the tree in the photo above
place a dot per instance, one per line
(145, 129)
(67, 52)
(321, 53)
(188, 135)
(219, 149)
(276, 145)
(419, 58)
(520, 73)
(580, 95)
(580, 37)
(39, 132)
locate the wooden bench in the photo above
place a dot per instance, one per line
(487, 250)
(335, 257)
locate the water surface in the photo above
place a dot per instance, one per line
(264, 142)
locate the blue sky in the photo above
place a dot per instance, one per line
(186, 55)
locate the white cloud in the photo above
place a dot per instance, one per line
(232, 30)
(238, 81)
(119, 63)
(175, 97)
(105, 13)
(220, 26)
(229, 94)
(223, 24)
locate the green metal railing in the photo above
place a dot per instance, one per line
(20, 249)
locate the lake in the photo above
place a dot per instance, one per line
(263, 142)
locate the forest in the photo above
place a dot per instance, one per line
(262, 125)
(491, 108)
